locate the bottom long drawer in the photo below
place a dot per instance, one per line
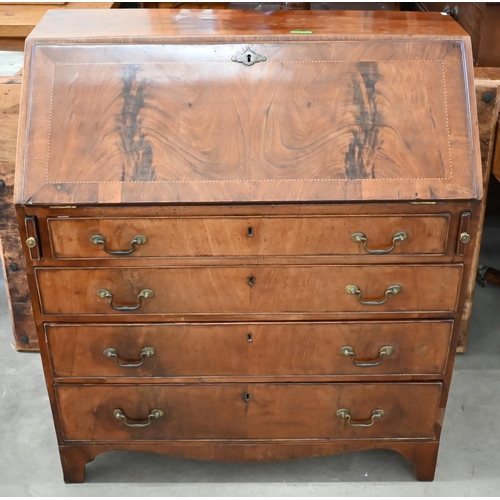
(248, 411)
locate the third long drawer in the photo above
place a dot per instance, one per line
(249, 349)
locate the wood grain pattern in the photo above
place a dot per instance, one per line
(248, 349)
(185, 5)
(343, 211)
(10, 94)
(17, 21)
(246, 236)
(495, 160)
(14, 270)
(18, 296)
(194, 292)
(487, 83)
(275, 411)
(231, 24)
(423, 454)
(481, 21)
(157, 123)
(280, 131)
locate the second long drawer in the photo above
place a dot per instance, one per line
(249, 349)
(271, 290)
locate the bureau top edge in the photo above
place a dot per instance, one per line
(196, 24)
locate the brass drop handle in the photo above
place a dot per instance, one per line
(143, 294)
(120, 415)
(392, 290)
(398, 237)
(111, 352)
(99, 239)
(347, 350)
(344, 413)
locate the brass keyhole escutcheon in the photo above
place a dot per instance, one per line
(250, 231)
(249, 58)
(249, 337)
(247, 397)
(251, 280)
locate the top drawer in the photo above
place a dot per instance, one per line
(97, 238)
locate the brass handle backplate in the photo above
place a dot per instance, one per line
(349, 351)
(392, 290)
(143, 294)
(344, 413)
(111, 352)
(120, 415)
(397, 238)
(99, 239)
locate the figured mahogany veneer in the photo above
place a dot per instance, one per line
(192, 292)
(247, 236)
(310, 139)
(248, 243)
(248, 349)
(250, 411)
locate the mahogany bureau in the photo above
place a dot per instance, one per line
(247, 233)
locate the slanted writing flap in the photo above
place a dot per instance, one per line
(263, 122)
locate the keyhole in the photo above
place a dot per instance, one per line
(251, 280)
(249, 337)
(247, 397)
(249, 57)
(250, 231)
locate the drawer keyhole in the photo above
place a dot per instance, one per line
(250, 231)
(251, 280)
(247, 397)
(249, 337)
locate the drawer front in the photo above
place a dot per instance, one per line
(243, 290)
(247, 236)
(250, 411)
(251, 349)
